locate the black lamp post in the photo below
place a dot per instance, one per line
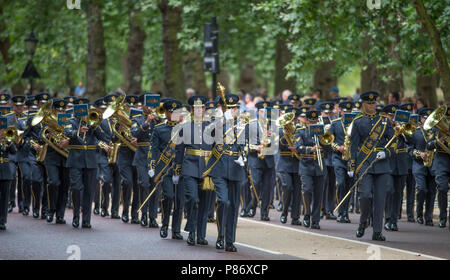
(30, 71)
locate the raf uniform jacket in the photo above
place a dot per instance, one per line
(5, 170)
(417, 144)
(441, 160)
(23, 149)
(190, 157)
(338, 130)
(106, 136)
(32, 133)
(400, 160)
(82, 153)
(162, 135)
(143, 133)
(52, 157)
(365, 126)
(308, 164)
(288, 162)
(226, 167)
(255, 137)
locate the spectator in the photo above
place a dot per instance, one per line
(284, 96)
(334, 92)
(317, 94)
(189, 92)
(356, 95)
(420, 103)
(394, 98)
(80, 90)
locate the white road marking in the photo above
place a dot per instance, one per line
(340, 238)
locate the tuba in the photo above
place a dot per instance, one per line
(121, 123)
(286, 122)
(46, 116)
(438, 119)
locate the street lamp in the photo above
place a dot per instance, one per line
(30, 71)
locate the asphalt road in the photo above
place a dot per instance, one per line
(34, 239)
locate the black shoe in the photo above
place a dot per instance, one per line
(76, 222)
(86, 225)
(322, 214)
(442, 223)
(20, 209)
(144, 220)
(211, 220)
(283, 219)
(394, 227)
(2, 227)
(411, 219)
(387, 226)
(177, 235)
(230, 247)
(243, 213)
(296, 222)
(35, 215)
(202, 241)
(361, 229)
(280, 207)
(377, 236)
(10, 207)
(60, 221)
(420, 220)
(306, 221)
(346, 219)
(330, 216)
(340, 219)
(104, 213)
(25, 212)
(125, 218)
(429, 223)
(163, 231)
(351, 209)
(135, 220)
(265, 218)
(153, 223)
(191, 238)
(220, 243)
(251, 213)
(49, 218)
(96, 211)
(357, 211)
(115, 215)
(315, 226)
(271, 206)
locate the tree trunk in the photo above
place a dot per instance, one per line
(193, 73)
(247, 78)
(426, 85)
(158, 87)
(368, 76)
(282, 57)
(135, 54)
(436, 45)
(173, 61)
(96, 59)
(324, 79)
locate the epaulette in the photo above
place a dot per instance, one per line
(335, 120)
(23, 118)
(9, 114)
(159, 124)
(360, 114)
(137, 115)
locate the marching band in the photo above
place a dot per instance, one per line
(149, 153)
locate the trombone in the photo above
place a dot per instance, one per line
(318, 153)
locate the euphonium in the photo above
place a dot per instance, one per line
(286, 122)
(117, 111)
(438, 119)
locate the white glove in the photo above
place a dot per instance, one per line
(240, 161)
(350, 174)
(228, 115)
(151, 173)
(175, 179)
(381, 155)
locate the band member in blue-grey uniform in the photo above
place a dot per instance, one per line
(142, 129)
(329, 189)
(370, 133)
(226, 168)
(424, 175)
(6, 176)
(83, 165)
(262, 166)
(441, 169)
(58, 173)
(288, 169)
(410, 183)
(339, 129)
(190, 160)
(311, 174)
(210, 115)
(18, 105)
(399, 169)
(161, 158)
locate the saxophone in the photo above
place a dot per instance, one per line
(113, 152)
(429, 156)
(346, 154)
